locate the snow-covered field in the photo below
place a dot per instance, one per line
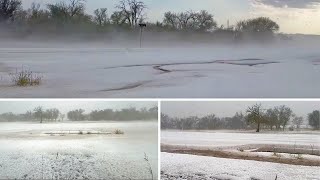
(179, 166)
(26, 152)
(220, 138)
(171, 72)
(247, 160)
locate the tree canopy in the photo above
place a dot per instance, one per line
(70, 16)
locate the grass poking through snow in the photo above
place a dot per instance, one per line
(25, 78)
(146, 158)
(118, 131)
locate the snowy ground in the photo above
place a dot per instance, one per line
(26, 152)
(178, 166)
(201, 71)
(220, 138)
(244, 155)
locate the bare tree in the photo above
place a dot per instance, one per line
(297, 121)
(101, 17)
(205, 21)
(314, 119)
(272, 117)
(118, 18)
(64, 10)
(62, 116)
(186, 19)
(170, 20)
(38, 113)
(180, 21)
(285, 114)
(76, 7)
(132, 10)
(8, 9)
(201, 21)
(255, 115)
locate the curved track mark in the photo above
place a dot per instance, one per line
(126, 87)
(160, 65)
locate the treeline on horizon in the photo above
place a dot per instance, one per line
(69, 16)
(255, 117)
(41, 115)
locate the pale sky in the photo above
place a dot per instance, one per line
(67, 105)
(228, 109)
(293, 16)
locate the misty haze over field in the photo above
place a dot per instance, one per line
(78, 140)
(72, 49)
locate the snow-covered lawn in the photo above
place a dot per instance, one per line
(219, 139)
(239, 146)
(178, 166)
(26, 152)
(201, 71)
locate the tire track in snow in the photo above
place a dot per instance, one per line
(160, 67)
(126, 87)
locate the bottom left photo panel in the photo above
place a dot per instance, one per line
(71, 139)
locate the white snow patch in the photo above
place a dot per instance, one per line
(198, 167)
(216, 139)
(26, 155)
(85, 72)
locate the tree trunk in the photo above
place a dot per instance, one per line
(258, 129)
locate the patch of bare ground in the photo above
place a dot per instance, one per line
(289, 150)
(239, 155)
(198, 176)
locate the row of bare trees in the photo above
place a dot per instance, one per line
(209, 122)
(196, 21)
(127, 16)
(279, 117)
(256, 116)
(110, 114)
(47, 115)
(129, 12)
(41, 115)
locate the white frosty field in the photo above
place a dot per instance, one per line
(179, 166)
(171, 72)
(26, 152)
(246, 161)
(220, 139)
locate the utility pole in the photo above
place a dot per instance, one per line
(142, 25)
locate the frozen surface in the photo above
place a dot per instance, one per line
(215, 139)
(178, 166)
(27, 153)
(203, 72)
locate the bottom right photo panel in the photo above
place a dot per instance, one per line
(249, 140)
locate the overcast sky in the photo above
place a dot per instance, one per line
(227, 109)
(65, 106)
(294, 16)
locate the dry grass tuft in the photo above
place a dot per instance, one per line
(118, 131)
(25, 78)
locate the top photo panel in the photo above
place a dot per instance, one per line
(159, 49)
